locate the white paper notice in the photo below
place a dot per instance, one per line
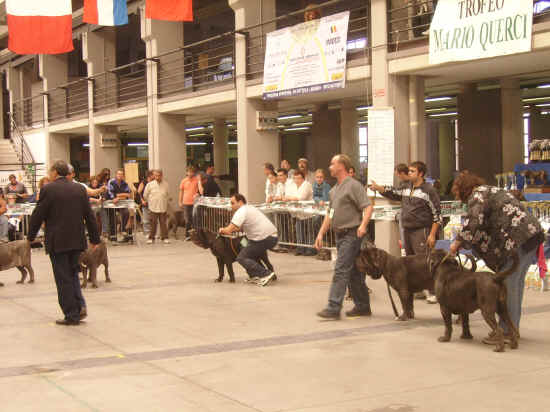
(381, 143)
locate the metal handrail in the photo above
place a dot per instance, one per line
(68, 100)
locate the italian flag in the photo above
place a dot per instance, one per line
(40, 26)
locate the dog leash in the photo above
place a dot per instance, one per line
(233, 247)
(391, 300)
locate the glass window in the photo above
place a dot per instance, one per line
(363, 146)
(526, 140)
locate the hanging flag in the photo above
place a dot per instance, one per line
(106, 12)
(172, 10)
(40, 26)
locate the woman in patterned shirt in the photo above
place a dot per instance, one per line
(498, 225)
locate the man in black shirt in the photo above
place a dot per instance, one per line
(208, 186)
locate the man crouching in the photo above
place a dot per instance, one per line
(261, 234)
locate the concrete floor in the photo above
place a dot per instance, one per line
(164, 337)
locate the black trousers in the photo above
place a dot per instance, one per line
(65, 270)
(124, 217)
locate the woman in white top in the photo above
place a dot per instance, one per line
(302, 190)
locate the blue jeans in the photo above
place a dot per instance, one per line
(4, 227)
(346, 273)
(250, 256)
(515, 285)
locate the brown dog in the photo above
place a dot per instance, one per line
(463, 292)
(17, 254)
(407, 275)
(92, 259)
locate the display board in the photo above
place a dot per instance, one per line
(381, 145)
(306, 58)
(469, 30)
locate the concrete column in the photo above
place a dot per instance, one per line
(57, 148)
(220, 133)
(417, 125)
(349, 131)
(167, 138)
(14, 87)
(512, 124)
(325, 138)
(255, 147)
(536, 124)
(99, 53)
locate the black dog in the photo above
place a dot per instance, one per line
(407, 275)
(463, 292)
(224, 249)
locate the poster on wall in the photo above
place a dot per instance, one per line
(381, 146)
(5, 177)
(478, 29)
(306, 58)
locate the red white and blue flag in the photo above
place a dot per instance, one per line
(106, 12)
(40, 26)
(171, 10)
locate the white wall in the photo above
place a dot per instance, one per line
(37, 144)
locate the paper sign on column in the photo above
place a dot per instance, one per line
(381, 145)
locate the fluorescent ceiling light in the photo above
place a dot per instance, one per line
(545, 113)
(211, 126)
(542, 105)
(437, 99)
(544, 86)
(138, 144)
(232, 143)
(197, 135)
(230, 125)
(526, 114)
(536, 99)
(196, 144)
(290, 116)
(364, 122)
(303, 124)
(292, 129)
(192, 129)
(444, 114)
(361, 108)
(86, 145)
(440, 109)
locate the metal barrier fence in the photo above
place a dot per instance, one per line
(120, 87)
(358, 33)
(410, 20)
(200, 65)
(28, 113)
(68, 100)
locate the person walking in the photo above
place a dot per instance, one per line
(420, 213)
(261, 234)
(496, 227)
(156, 195)
(64, 207)
(189, 191)
(145, 213)
(349, 216)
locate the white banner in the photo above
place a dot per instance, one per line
(306, 58)
(478, 29)
(381, 145)
(5, 177)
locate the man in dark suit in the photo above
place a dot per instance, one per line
(64, 207)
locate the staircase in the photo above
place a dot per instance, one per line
(10, 162)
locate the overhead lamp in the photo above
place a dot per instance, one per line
(138, 144)
(536, 99)
(197, 135)
(544, 86)
(303, 124)
(437, 99)
(542, 105)
(232, 143)
(364, 122)
(290, 116)
(192, 129)
(86, 145)
(361, 108)
(196, 144)
(439, 109)
(526, 114)
(444, 114)
(295, 129)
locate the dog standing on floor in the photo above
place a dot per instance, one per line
(91, 259)
(17, 254)
(463, 292)
(224, 249)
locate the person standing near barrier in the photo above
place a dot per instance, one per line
(349, 215)
(301, 191)
(261, 234)
(64, 207)
(189, 191)
(303, 166)
(420, 213)
(145, 213)
(118, 190)
(156, 194)
(285, 164)
(321, 197)
(4, 222)
(285, 184)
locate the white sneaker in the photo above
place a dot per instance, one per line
(252, 280)
(166, 241)
(265, 280)
(149, 241)
(432, 299)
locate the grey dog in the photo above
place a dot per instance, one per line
(17, 254)
(92, 259)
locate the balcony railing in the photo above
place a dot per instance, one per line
(121, 87)
(409, 20)
(358, 32)
(68, 101)
(205, 64)
(29, 112)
